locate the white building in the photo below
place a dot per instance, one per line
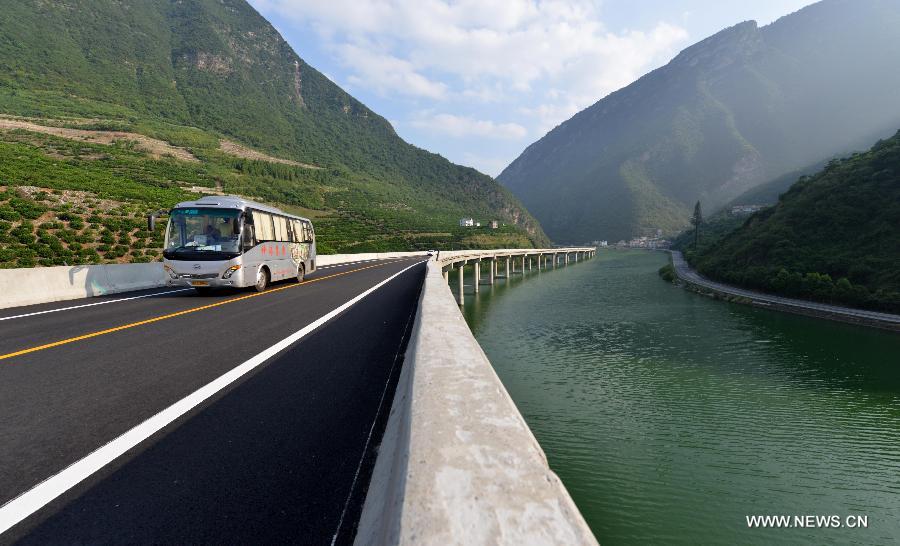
(466, 222)
(745, 209)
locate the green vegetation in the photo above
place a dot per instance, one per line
(733, 111)
(65, 227)
(667, 272)
(832, 237)
(714, 228)
(192, 74)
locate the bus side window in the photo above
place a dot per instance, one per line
(281, 233)
(264, 225)
(308, 232)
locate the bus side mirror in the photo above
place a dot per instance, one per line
(151, 219)
(247, 240)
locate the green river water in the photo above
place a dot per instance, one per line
(670, 417)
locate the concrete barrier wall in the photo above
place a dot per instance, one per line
(331, 259)
(458, 464)
(29, 286)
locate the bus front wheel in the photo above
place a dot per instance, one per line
(262, 279)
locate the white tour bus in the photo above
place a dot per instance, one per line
(226, 241)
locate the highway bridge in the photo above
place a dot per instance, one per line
(163, 416)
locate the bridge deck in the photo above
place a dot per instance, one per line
(280, 454)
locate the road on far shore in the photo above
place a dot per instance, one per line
(837, 312)
(168, 417)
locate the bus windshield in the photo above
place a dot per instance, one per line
(203, 230)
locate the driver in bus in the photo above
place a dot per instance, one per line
(212, 234)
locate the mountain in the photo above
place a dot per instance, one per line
(735, 110)
(212, 98)
(767, 193)
(832, 236)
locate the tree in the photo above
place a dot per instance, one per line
(696, 220)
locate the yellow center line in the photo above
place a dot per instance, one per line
(179, 313)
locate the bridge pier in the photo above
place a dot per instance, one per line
(461, 269)
(523, 264)
(567, 258)
(493, 266)
(507, 267)
(555, 257)
(477, 274)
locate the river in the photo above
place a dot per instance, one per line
(670, 417)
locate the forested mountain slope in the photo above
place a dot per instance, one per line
(833, 236)
(735, 110)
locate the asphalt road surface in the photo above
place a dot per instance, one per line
(167, 417)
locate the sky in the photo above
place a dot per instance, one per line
(477, 81)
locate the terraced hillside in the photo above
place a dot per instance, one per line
(147, 103)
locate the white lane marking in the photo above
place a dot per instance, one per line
(362, 457)
(38, 496)
(93, 304)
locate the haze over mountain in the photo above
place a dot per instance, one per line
(195, 73)
(733, 111)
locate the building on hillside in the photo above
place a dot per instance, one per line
(495, 224)
(740, 210)
(466, 222)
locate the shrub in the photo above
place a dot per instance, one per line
(667, 272)
(9, 214)
(24, 233)
(27, 209)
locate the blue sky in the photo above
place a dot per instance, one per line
(477, 81)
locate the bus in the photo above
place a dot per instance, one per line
(228, 241)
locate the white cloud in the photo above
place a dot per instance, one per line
(388, 74)
(506, 69)
(489, 165)
(482, 50)
(461, 126)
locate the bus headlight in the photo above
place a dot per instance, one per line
(230, 271)
(170, 271)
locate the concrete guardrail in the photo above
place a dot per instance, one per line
(33, 285)
(458, 464)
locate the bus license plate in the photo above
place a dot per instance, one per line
(199, 283)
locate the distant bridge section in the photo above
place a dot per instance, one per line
(504, 263)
